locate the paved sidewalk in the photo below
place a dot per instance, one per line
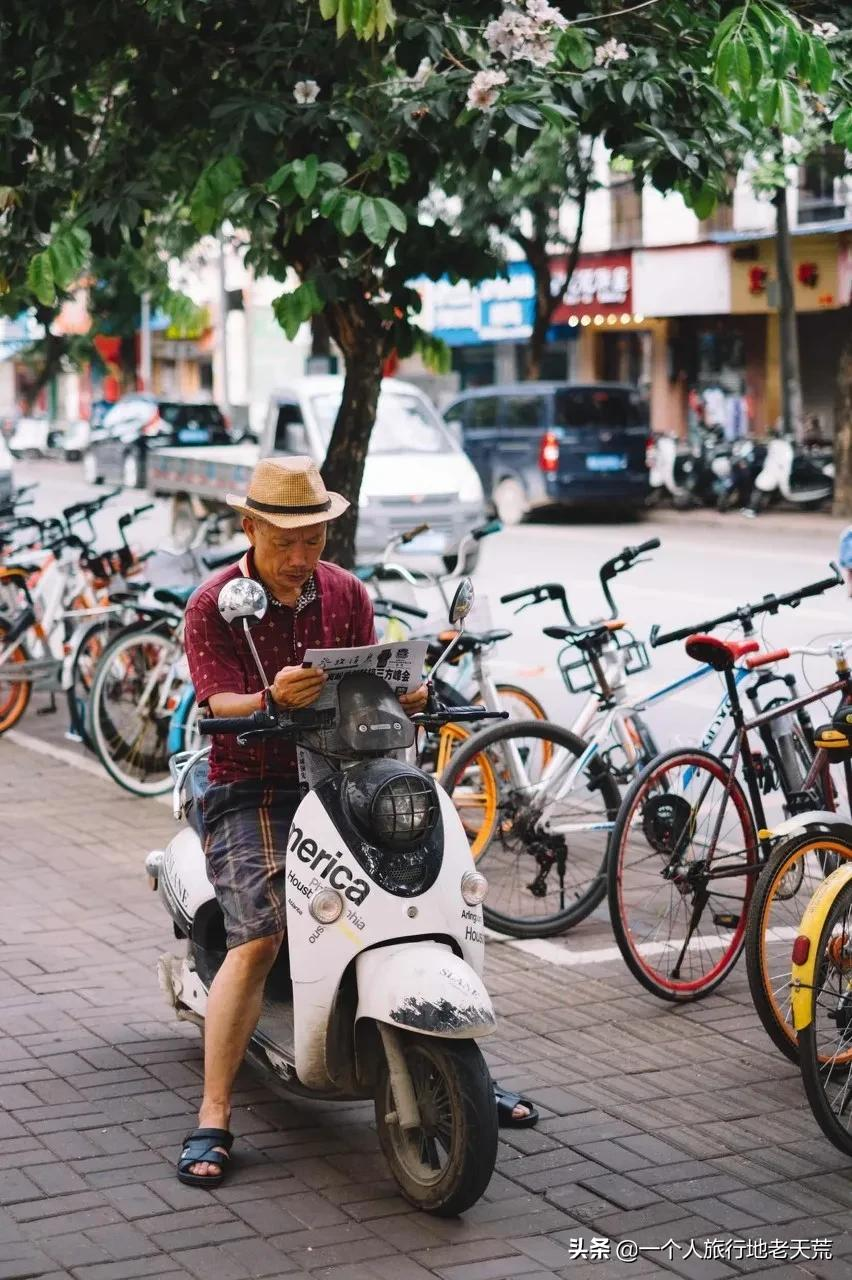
(659, 1125)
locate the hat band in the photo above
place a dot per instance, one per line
(314, 510)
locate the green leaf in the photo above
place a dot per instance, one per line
(385, 17)
(742, 64)
(279, 177)
(703, 201)
(40, 278)
(804, 62)
(575, 48)
(398, 168)
(328, 8)
(331, 202)
(375, 221)
(344, 17)
(842, 129)
(334, 172)
(62, 262)
(724, 71)
(305, 174)
(790, 113)
(396, 217)
(526, 116)
(768, 101)
(351, 215)
(652, 94)
(822, 67)
(223, 176)
(629, 91)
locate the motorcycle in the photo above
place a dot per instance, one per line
(689, 474)
(377, 991)
(803, 478)
(734, 488)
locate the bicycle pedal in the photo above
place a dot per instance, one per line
(726, 920)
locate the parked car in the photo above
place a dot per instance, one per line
(136, 424)
(537, 444)
(415, 472)
(7, 483)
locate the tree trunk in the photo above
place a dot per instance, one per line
(791, 384)
(358, 333)
(54, 347)
(843, 425)
(545, 305)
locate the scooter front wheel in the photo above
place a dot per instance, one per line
(443, 1166)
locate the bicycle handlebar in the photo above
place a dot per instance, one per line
(746, 612)
(626, 558)
(387, 608)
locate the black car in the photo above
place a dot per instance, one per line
(118, 448)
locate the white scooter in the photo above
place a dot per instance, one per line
(377, 992)
(796, 476)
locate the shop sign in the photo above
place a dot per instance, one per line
(601, 284)
(463, 314)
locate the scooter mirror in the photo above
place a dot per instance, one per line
(243, 598)
(462, 601)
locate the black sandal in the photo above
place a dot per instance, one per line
(200, 1147)
(506, 1103)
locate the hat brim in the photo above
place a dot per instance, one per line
(339, 504)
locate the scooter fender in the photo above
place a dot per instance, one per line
(183, 882)
(814, 823)
(423, 987)
(813, 920)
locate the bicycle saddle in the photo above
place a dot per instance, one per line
(470, 641)
(721, 655)
(177, 596)
(221, 558)
(578, 633)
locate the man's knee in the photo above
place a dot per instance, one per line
(258, 955)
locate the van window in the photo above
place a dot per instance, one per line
(458, 413)
(600, 407)
(484, 411)
(524, 411)
(403, 425)
(290, 434)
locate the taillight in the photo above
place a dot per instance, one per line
(548, 453)
(649, 452)
(801, 949)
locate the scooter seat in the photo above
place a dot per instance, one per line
(195, 784)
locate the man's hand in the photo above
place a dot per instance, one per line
(415, 700)
(297, 686)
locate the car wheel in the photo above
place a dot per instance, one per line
(510, 501)
(90, 468)
(131, 476)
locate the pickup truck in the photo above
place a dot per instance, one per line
(415, 473)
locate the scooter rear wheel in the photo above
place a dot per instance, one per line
(444, 1166)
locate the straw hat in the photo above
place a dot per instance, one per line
(289, 493)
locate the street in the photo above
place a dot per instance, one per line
(672, 1140)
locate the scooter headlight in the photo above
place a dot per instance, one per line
(326, 906)
(403, 810)
(474, 887)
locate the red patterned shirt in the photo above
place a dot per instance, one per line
(334, 611)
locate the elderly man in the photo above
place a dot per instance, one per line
(253, 793)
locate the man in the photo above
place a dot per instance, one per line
(253, 790)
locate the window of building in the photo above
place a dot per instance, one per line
(825, 187)
(625, 211)
(290, 435)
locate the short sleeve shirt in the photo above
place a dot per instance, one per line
(338, 614)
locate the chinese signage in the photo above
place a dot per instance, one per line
(463, 314)
(601, 284)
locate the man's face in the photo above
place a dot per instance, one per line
(285, 558)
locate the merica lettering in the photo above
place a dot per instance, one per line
(334, 871)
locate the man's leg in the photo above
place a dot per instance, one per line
(233, 1008)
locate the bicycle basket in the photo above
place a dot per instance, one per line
(578, 673)
(108, 565)
(633, 651)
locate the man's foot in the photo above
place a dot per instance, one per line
(212, 1118)
(206, 1149)
(513, 1111)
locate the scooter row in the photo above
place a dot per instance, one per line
(748, 475)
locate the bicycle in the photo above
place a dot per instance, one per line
(549, 856)
(821, 986)
(806, 848)
(690, 839)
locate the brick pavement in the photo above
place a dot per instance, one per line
(658, 1124)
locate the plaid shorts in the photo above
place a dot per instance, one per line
(246, 827)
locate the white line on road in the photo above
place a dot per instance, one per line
(564, 957)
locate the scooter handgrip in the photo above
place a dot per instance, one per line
(650, 545)
(237, 724)
(411, 534)
(764, 659)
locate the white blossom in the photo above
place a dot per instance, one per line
(423, 71)
(526, 35)
(826, 30)
(483, 91)
(611, 51)
(306, 91)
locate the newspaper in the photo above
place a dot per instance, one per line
(400, 664)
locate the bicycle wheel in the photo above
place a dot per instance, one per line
(476, 789)
(134, 693)
(89, 651)
(545, 857)
(14, 694)
(681, 872)
(825, 1044)
(785, 886)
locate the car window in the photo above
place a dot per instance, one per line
(524, 411)
(484, 411)
(403, 425)
(600, 407)
(169, 412)
(198, 415)
(458, 412)
(290, 434)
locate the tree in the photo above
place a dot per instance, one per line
(323, 128)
